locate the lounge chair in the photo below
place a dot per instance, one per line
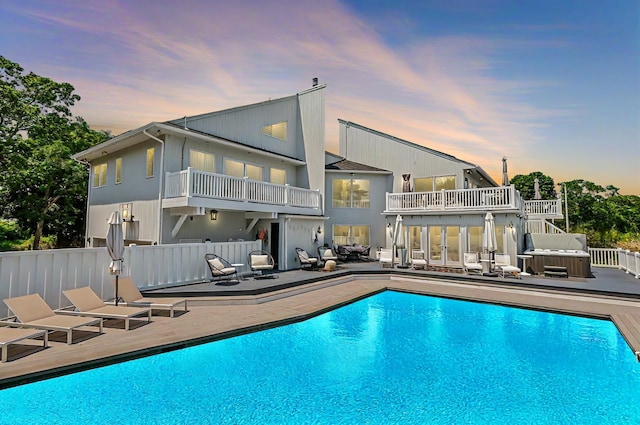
(386, 257)
(13, 335)
(471, 263)
(89, 304)
(306, 261)
(503, 264)
(221, 269)
(131, 295)
(417, 260)
(261, 264)
(31, 311)
(325, 253)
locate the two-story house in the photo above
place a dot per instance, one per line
(244, 173)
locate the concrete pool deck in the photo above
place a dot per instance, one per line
(298, 295)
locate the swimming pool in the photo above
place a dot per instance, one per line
(390, 358)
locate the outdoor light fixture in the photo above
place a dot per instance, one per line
(213, 214)
(319, 231)
(126, 211)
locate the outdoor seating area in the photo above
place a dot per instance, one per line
(353, 252)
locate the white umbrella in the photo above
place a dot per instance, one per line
(115, 246)
(489, 243)
(505, 176)
(398, 239)
(536, 189)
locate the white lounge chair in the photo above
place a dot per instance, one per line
(503, 264)
(89, 304)
(31, 311)
(131, 295)
(10, 336)
(386, 257)
(417, 259)
(471, 263)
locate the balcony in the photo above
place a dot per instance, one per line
(192, 187)
(547, 209)
(455, 201)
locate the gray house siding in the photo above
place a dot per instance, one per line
(379, 184)
(312, 119)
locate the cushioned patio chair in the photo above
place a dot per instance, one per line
(417, 259)
(471, 263)
(386, 257)
(364, 255)
(31, 311)
(130, 294)
(306, 261)
(261, 264)
(326, 253)
(503, 264)
(221, 269)
(89, 304)
(10, 336)
(341, 252)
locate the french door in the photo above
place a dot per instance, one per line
(444, 245)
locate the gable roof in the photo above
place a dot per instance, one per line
(346, 165)
(422, 148)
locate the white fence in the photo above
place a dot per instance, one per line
(49, 272)
(544, 208)
(616, 258)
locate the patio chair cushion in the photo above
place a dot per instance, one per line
(259, 260)
(217, 264)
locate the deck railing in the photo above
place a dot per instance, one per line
(543, 226)
(196, 183)
(504, 197)
(622, 259)
(552, 207)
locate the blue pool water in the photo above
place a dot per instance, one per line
(391, 358)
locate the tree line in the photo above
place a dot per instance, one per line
(43, 191)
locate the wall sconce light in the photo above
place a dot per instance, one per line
(319, 230)
(213, 215)
(126, 211)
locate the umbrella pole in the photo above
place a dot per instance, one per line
(117, 290)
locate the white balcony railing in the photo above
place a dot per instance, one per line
(544, 208)
(195, 183)
(504, 197)
(622, 259)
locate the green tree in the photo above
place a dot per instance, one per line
(42, 187)
(525, 184)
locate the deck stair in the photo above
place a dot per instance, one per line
(555, 271)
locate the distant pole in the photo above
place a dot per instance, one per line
(566, 208)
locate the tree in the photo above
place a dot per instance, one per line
(42, 187)
(525, 184)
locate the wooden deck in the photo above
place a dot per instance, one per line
(301, 295)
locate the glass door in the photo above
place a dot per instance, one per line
(444, 245)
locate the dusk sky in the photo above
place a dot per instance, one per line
(553, 85)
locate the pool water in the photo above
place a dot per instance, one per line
(390, 358)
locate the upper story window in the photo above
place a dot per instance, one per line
(151, 153)
(118, 170)
(99, 175)
(241, 169)
(429, 184)
(278, 176)
(351, 193)
(201, 161)
(278, 130)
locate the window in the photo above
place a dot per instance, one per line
(118, 170)
(150, 156)
(279, 130)
(241, 169)
(500, 239)
(349, 235)
(201, 161)
(278, 176)
(99, 175)
(429, 184)
(351, 193)
(474, 234)
(414, 237)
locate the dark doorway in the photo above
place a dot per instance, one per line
(275, 243)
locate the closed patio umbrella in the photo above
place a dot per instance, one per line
(398, 238)
(115, 246)
(536, 189)
(505, 176)
(489, 242)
